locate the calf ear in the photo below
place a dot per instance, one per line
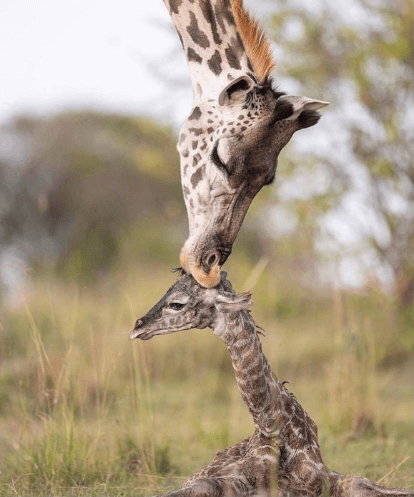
(238, 87)
(233, 303)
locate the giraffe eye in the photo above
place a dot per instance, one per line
(217, 161)
(176, 306)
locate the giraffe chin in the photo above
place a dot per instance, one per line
(185, 264)
(206, 280)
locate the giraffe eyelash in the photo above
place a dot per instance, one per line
(176, 306)
(250, 97)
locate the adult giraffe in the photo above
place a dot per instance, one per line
(230, 143)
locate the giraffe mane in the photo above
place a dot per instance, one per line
(255, 40)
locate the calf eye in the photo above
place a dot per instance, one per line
(176, 306)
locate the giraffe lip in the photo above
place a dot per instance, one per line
(141, 334)
(209, 280)
(147, 334)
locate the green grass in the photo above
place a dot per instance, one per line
(84, 411)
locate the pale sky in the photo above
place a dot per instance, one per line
(57, 54)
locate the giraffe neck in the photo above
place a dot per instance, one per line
(275, 411)
(257, 384)
(212, 44)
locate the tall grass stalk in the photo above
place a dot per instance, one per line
(84, 411)
(353, 395)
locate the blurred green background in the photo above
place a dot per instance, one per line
(92, 220)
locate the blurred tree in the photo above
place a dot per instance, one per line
(86, 178)
(358, 55)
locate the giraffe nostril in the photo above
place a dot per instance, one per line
(212, 259)
(138, 323)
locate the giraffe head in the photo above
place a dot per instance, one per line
(229, 149)
(188, 305)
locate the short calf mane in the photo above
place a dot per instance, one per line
(255, 40)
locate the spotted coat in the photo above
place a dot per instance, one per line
(231, 140)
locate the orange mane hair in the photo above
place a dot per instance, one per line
(255, 40)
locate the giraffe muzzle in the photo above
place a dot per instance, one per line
(141, 331)
(204, 265)
(137, 331)
(211, 259)
(207, 278)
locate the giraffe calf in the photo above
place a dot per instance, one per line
(284, 447)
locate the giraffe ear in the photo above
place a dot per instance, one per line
(304, 109)
(231, 303)
(239, 86)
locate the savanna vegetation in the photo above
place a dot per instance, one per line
(84, 411)
(91, 222)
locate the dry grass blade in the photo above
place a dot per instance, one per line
(256, 272)
(393, 470)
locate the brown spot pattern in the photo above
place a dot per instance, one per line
(196, 114)
(197, 176)
(214, 63)
(175, 5)
(193, 56)
(207, 10)
(196, 159)
(196, 131)
(197, 35)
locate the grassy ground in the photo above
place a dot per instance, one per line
(84, 411)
